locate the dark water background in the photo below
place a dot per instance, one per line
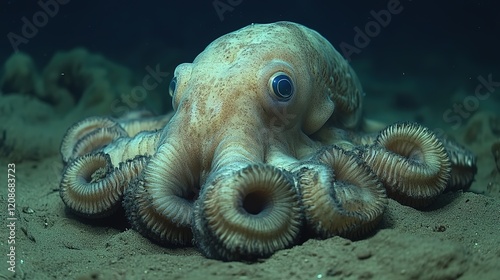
(441, 45)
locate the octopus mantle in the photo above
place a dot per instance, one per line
(266, 147)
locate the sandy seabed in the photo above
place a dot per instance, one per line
(457, 238)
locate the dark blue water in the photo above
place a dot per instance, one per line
(441, 45)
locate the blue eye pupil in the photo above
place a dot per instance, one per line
(282, 86)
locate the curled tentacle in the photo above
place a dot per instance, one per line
(96, 140)
(160, 203)
(411, 162)
(341, 195)
(463, 165)
(79, 130)
(250, 213)
(92, 187)
(146, 220)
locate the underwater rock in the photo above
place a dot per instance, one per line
(74, 85)
(495, 150)
(480, 135)
(79, 78)
(24, 133)
(20, 75)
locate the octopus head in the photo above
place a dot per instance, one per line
(281, 75)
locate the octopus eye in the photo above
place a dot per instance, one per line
(172, 86)
(282, 86)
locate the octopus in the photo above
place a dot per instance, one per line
(267, 146)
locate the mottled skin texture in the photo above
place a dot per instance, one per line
(227, 115)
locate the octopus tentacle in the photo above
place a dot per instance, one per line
(234, 152)
(411, 162)
(161, 203)
(249, 214)
(281, 160)
(135, 125)
(146, 220)
(79, 130)
(341, 195)
(96, 140)
(124, 148)
(92, 187)
(93, 133)
(345, 139)
(463, 165)
(104, 173)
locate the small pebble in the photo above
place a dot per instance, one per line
(28, 210)
(363, 253)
